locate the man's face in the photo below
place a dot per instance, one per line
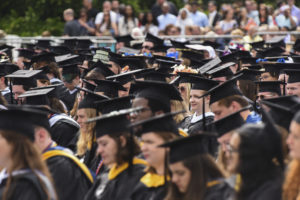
(220, 111)
(266, 95)
(211, 7)
(106, 6)
(147, 46)
(141, 115)
(293, 89)
(267, 77)
(17, 91)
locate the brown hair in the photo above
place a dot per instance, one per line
(85, 137)
(179, 106)
(228, 100)
(292, 182)
(24, 155)
(248, 89)
(93, 74)
(203, 169)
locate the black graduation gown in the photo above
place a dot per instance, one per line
(70, 181)
(24, 186)
(219, 191)
(120, 183)
(150, 187)
(69, 99)
(91, 160)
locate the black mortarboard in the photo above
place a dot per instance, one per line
(273, 51)
(102, 68)
(248, 60)
(221, 71)
(7, 49)
(249, 74)
(60, 50)
(37, 97)
(43, 44)
(159, 91)
(277, 68)
(66, 59)
(115, 122)
(194, 56)
(180, 45)
(163, 63)
(8, 68)
(70, 42)
(198, 83)
(109, 88)
(24, 77)
(88, 85)
(26, 53)
(107, 106)
(276, 41)
(44, 56)
(83, 44)
(226, 89)
(237, 55)
(156, 41)
(162, 48)
(116, 58)
(134, 62)
(126, 77)
(159, 123)
(294, 75)
(209, 65)
(17, 120)
(156, 76)
(70, 69)
(269, 86)
(126, 39)
(286, 101)
(89, 100)
(58, 90)
(183, 148)
(228, 123)
(296, 46)
(258, 45)
(212, 44)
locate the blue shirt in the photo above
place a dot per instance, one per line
(295, 12)
(164, 20)
(253, 118)
(199, 19)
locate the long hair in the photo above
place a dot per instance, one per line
(248, 88)
(179, 106)
(292, 182)
(132, 16)
(83, 143)
(145, 21)
(24, 155)
(108, 26)
(203, 169)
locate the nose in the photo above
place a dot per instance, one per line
(223, 147)
(174, 179)
(99, 150)
(288, 140)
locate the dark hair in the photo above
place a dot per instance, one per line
(156, 105)
(213, 2)
(53, 69)
(203, 168)
(266, 17)
(132, 15)
(254, 166)
(108, 26)
(228, 100)
(145, 21)
(123, 153)
(225, 14)
(248, 88)
(297, 117)
(56, 105)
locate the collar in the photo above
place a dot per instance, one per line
(55, 80)
(213, 13)
(116, 170)
(5, 91)
(153, 180)
(73, 91)
(4, 175)
(196, 118)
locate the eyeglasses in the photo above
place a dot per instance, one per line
(230, 149)
(139, 112)
(264, 96)
(146, 47)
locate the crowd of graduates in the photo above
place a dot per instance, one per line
(154, 120)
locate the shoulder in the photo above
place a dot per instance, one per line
(219, 190)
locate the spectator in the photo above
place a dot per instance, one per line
(156, 9)
(199, 18)
(252, 11)
(295, 11)
(115, 6)
(165, 18)
(149, 24)
(183, 20)
(72, 27)
(91, 12)
(213, 17)
(193, 30)
(141, 18)
(285, 19)
(251, 37)
(228, 23)
(99, 18)
(172, 30)
(87, 27)
(127, 22)
(242, 18)
(107, 27)
(263, 16)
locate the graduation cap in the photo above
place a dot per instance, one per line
(83, 44)
(294, 75)
(102, 68)
(212, 44)
(17, 120)
(89, 100)
(183, 148)
(228, 123)
(180, 45)
(8, 68)
(269, 86)
(126, 39)
(70, 69)
(226, 89)
(162, 48)
(280, 114)
(273, 51)
(258, 45)
(43, 57)
(88, 85)
(60, 50)
(134, 62)
(26, 53)
(156, 41)
(248, 60)
(66, 59)
(209, 65)
(37, 97)
(198, 83)
(116, 58)
(7, 49)
(55, 93)
(159, 123)
(249, 74)
(43, 44)
(296, 46)
(126, 77)
(166, 63)
(24, 77)
(109, 105)
(237, 55)
(115, 122)
(109, 88)
(276, 41)
(70, 42)
(156, 76)
(277, 68)
(221, 71)
(159, 91)
(193, 56)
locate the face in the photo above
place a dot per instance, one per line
(224, 141)
(115, 68)
(267, 77)
(107, 148)
(81, 119)
(17, 91)
(147, 46)
(144, 114)
(153, 154)
(196, 100)
(220, 79)
(233, 157)
(266, 95)
(183, 14)
(5, 152)
(181, 176)
(293, 89)
(220, 111)
(293, 140)
(211, 7)
(106, 6)
(183, 89)
(128, 10)
(125, 93)
(149, 17)
(165, 9)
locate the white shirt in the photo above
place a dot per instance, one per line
(211, 18)
(196, 118)
(5, 91)
(99, 17)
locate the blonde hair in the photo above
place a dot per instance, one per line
(179, 106)
(85, 138)
(291, 186)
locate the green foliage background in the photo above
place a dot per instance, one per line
(32, 17)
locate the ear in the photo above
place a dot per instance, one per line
(207, 99)
(123, 141)
(235, 106)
